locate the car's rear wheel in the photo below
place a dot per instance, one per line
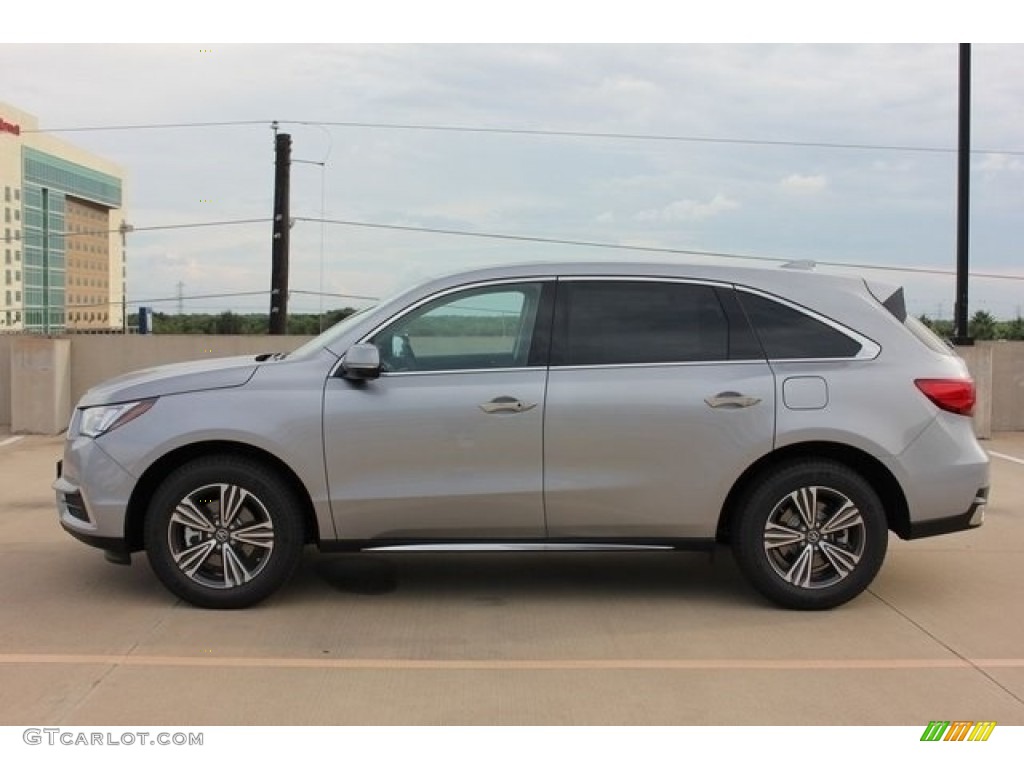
(810, 534)
(223, 532)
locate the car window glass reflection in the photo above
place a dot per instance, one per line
(476, 329)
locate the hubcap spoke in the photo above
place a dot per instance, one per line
(845, 517)
(776, 536)
(259, 535)
(189, 515)
(840, 559)
(232, 499)
(803, 568)
(191, 559)
(805, 500)
(235, 573)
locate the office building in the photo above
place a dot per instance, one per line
(63, 251)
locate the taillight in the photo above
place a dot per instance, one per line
(953, 395)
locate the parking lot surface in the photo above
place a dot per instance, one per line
(507, 638)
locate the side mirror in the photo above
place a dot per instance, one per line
(361, 362)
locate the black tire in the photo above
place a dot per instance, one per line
(217, 562)
(810, 534)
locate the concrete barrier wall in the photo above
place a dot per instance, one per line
(96, 358)
(6, 344)
(1007, 385)
(40, 392)
(997, 366)
(979, 363)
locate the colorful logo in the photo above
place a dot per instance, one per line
(958, 730)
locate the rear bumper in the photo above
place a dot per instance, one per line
(972, 518)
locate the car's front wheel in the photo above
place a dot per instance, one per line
(810, 534)
(223, 532)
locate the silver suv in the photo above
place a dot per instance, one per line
(797, 416)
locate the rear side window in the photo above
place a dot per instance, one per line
(617, 322)
(788, 334)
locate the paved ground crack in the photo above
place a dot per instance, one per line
(906, 617)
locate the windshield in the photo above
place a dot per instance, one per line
(324, 339)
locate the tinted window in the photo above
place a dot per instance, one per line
(618, 322)
(488, 327)
(786, 333)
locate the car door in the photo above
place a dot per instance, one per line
(447, 442)
(658, 398)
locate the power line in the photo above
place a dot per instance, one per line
(156, 228)
(336, 295)
(650, 137)
(145, 126)
(538, 132)
(207, 296)
(644, 248)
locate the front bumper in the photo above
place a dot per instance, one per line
(92, 493)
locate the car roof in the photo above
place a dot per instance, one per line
(796, 280)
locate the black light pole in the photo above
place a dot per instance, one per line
(961, 335)
(279, 247)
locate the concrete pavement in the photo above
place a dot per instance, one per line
(507, 638)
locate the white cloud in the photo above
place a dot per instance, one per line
(804, 185)
(996, 163)
(689, 210)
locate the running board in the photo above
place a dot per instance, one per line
(509, 547)
(568, 544)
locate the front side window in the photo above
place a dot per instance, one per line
(478, 328)
(618, 322)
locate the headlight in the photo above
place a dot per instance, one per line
(101, 419)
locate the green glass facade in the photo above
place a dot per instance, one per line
(48, 181)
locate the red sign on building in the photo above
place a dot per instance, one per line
(6, 127)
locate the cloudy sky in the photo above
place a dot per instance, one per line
(838, 153)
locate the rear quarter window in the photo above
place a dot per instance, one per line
(787, 333)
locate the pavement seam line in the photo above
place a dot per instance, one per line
(128, 660)
(1006, 457)
(972, 663)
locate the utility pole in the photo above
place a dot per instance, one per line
(279, 246)
(961, 335)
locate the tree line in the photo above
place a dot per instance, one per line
(236, 324)
(982, 326)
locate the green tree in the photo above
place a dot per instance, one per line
(982, 326)
(229, 323)
(1012, 330)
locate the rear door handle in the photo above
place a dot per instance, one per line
(506, 404)
(731, 400)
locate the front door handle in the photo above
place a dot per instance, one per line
(506, 404)
(731, 400)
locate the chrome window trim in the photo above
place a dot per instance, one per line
(869, 349)
(450, 371)
(646, 279)
(669, 364)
